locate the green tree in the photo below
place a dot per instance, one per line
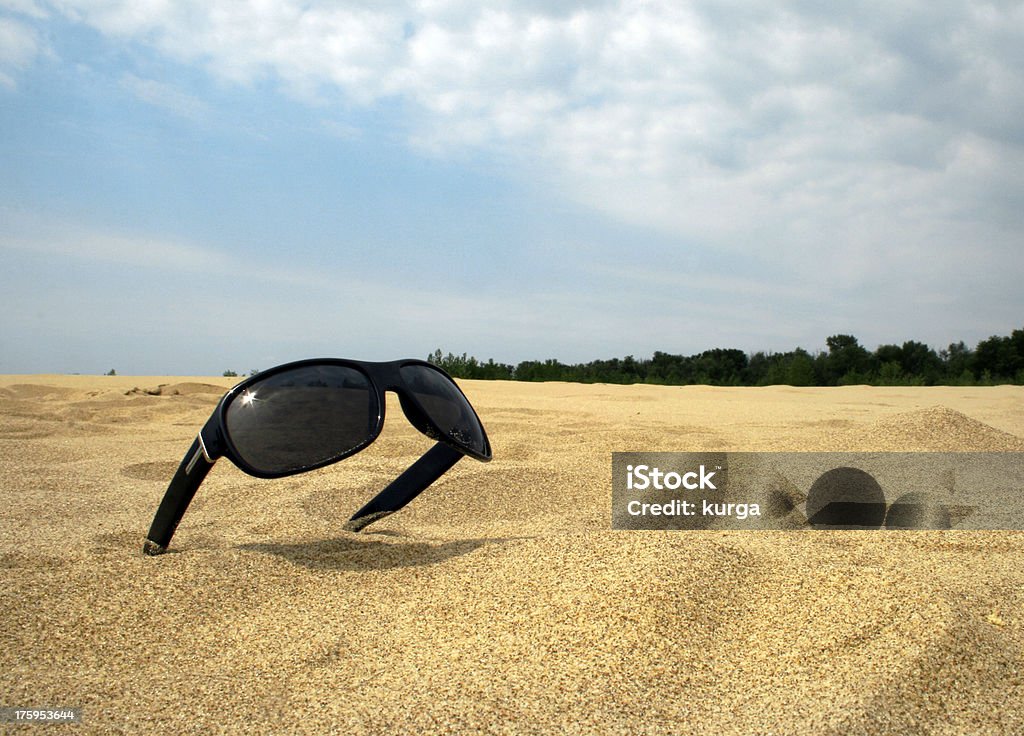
(722, 367)
(997, 359)
(1000, 357)
(959, 362)
(890, 374)
(847, 362)
(920, 361)
(800, 368)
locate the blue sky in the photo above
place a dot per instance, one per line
(187, 187)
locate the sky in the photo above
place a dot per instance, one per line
(189, 187)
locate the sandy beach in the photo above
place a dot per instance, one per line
(500, 600)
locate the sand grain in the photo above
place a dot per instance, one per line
(499, 601)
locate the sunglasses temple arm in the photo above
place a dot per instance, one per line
(190, 474)
(417, 478)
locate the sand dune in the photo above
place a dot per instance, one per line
(937, 429)
(500, 600)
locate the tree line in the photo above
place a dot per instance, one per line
(996, 360)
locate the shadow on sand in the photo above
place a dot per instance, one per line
(363, 552)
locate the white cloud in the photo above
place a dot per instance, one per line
(846, 141)
(340, 130)
(68, 281)
(166, 97)
(155, 255)
(24, 7)
(114, 248)
(19, 46)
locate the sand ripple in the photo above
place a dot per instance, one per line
(499, 601)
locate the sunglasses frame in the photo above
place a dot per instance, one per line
(382, 377)
(214, 441)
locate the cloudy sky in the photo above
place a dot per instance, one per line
(192, 186)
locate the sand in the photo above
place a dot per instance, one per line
(500, 600)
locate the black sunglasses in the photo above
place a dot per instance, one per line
(311, 413)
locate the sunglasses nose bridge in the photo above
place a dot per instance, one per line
(412, 410)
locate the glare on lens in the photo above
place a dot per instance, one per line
(248, 398)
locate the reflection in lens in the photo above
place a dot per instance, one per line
(446, 406)
(301, 417)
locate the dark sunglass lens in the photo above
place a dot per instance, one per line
(301, 417)
(446, 406)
